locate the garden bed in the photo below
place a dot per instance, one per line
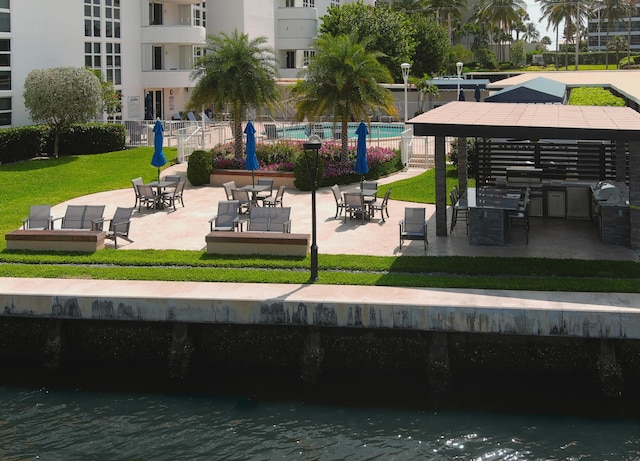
(243, 177)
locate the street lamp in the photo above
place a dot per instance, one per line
(405, 66)
(313, 144)
(459, 69)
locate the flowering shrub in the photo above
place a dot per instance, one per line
(282, 156)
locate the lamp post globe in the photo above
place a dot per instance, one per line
(313, 144)
(405, 66)
(459, 65)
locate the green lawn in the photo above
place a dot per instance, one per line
(56, 180)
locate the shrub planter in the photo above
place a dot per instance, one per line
(243, 177)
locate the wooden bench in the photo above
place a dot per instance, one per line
(55, 240)
(261, 243)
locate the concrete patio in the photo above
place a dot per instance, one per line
(186, 228)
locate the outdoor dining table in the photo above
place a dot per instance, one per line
(489, 210)
(254, 189)
(160, 186)
(368, 195)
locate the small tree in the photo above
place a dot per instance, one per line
(62, 96)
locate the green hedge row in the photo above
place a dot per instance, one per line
(24, 143)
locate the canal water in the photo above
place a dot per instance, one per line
(73, 424)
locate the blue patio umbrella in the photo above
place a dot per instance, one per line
(252, 160)
(158, 160)
(461, 95)
(362, 167)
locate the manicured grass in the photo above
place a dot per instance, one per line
(56, 180)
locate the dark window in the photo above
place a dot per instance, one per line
(87, 61)
(5, 80)
(157, 58)
(5, 22)
(108, 29)
(5, 4)
(96, 28)
(5, 103)
(5, 119)
(87, 28)
(116, 30)
(291, 60)
(118, 77)
(97, 62)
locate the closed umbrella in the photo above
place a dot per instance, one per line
(252, 159)
(476, 93)
(461, 95)
(158, 160)
(362, 167)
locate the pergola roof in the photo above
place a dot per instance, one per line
(528, 121)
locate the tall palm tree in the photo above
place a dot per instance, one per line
(501, 14)
(343, 80)
(556, 12)
(451, 10)
(610, 12)
(531, 33)
(236, 72)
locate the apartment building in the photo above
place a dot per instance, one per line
(626, 27)
(147, 48)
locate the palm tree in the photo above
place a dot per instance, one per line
(236, 72)
(501, 14)
(531, 33)
(425, 88)
(617, 43)
(343, 80)
(453, 11)
(556, 12)
(610, 12)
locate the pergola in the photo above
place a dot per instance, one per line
(462, 119)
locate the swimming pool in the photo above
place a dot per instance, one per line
(332, 131)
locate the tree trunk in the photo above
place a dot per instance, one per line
(344, 137)
(56, 138)
(238, 148)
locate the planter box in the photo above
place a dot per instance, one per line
(243, 177)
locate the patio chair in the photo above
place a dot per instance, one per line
(339, 201)
(227, 217)
(173, 178)
(354, 205)
(267, 192)
(413, 226)
(135, 183)
(39, 218)
(280, 219)
(370, 191)
(92, 213)
(174, 194)
(243, 197)
(278, 199)
(259, 218)
(459, 210)
(228, 188)
(118, 225)
(147, 197)
(381, 206)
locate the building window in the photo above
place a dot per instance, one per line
(5, 53)
(335, 2)
(308, 54)
(290, 3)
(309, 3)
(4, 4)
(5, 80)
(291, 59)
(199, 15)
(5, 22)
(5, 111)
(157, 58)
(92, 18)
(92, 55)
(114, 63)
(155, 14)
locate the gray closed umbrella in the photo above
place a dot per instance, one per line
(461, 95)
(476, 93)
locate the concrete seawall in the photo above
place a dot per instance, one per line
(320, 327)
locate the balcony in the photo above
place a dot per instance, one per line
(297, 13)
(183, 35)
(182, 2)
(178, 78)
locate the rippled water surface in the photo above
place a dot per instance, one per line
(79, 425)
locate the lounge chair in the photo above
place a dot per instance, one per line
(39, 218)
(278, 199)
(413, 226)
(280, 219)
(81, 217)
(259, 218)
(381, 206)
(118, 225)
(267, 192)
(339, 201)
(228, 189)
(243, 197)
(354, 205)
(227, 217)
(135, 183)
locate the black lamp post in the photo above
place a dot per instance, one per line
(313, 144)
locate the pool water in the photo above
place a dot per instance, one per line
(332, 131)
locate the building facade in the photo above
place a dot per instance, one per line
(146, 48)
(626, 27)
